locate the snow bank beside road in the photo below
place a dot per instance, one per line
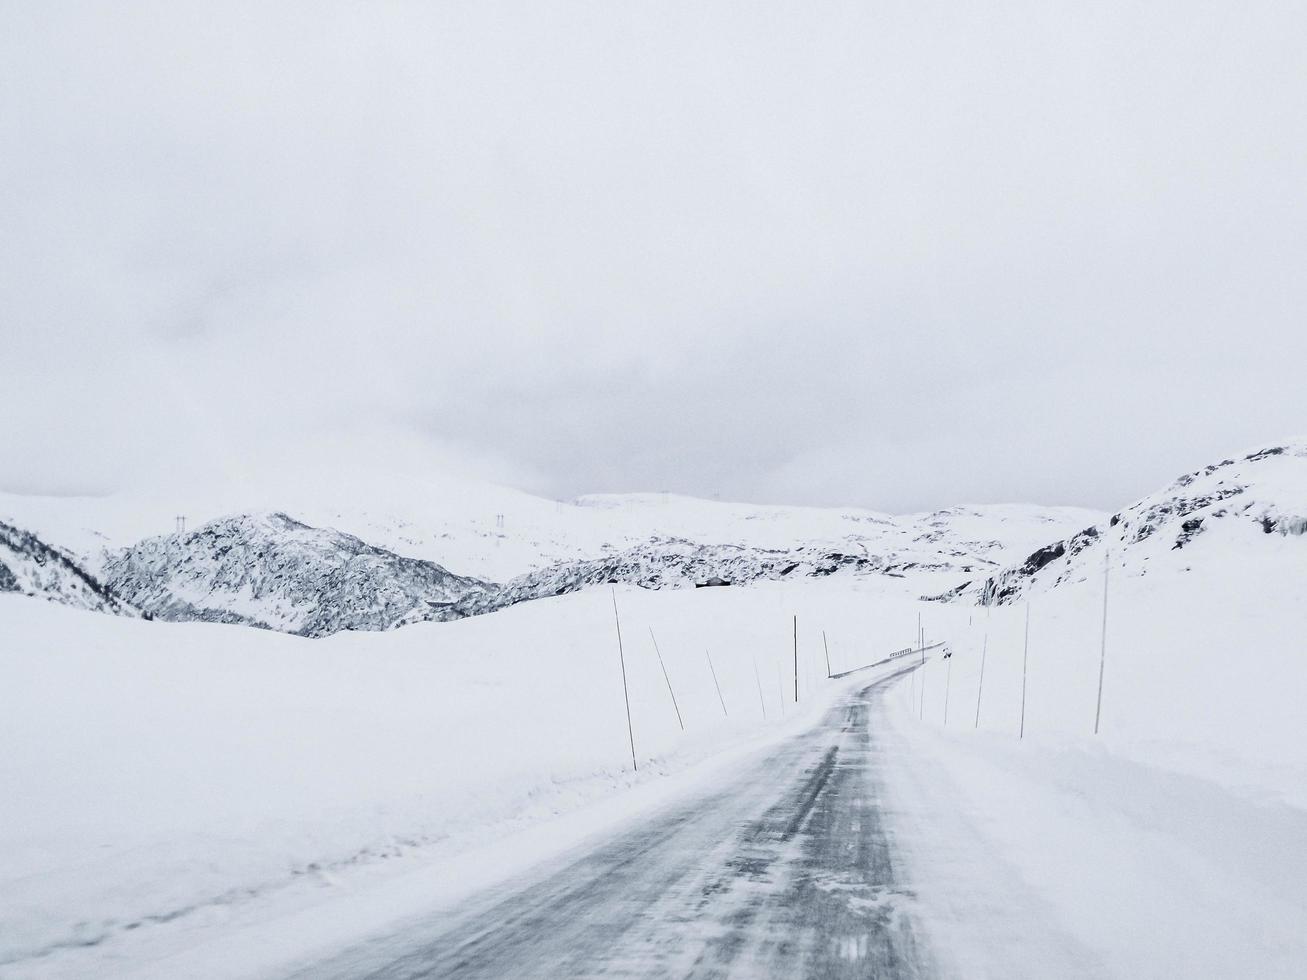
(1174, 843)
(1047, 858)
(152, 773)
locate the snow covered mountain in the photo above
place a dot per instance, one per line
(378, 554)
(1230, 511)
(30, 566)
(272, 571)
(678, 563)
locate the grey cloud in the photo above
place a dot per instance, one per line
(896, 255)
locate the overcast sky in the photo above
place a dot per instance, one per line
(891, 254)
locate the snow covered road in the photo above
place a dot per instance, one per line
(786, 870)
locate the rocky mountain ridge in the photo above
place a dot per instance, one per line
(1237, 501)
(677, 563)
(274, 572)
(31, 567)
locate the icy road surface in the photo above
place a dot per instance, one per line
(787, 870)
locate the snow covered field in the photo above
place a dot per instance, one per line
(167, 787)
(158, 775)
(1175, 842)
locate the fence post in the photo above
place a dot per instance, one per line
(630, 731)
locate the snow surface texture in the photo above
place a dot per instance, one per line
(1173, 843)
(158, 777)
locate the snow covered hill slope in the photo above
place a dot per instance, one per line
(272, 571)
(159, 778)
(494, 533)
(316, 553)
(1232, 511)
(677, 563)
(30, 566)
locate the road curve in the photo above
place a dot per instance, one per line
(786, 870)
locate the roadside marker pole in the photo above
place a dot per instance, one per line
(948, 682)
(984, 649)
(780, 686)
(921, 705)
(825, 647)
(758, 677)
(667, 679)
(1102, 653)
(716, 685)
(796, 659)
(625, 693)
(1025, 659)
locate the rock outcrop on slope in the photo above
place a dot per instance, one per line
(677, 563)
(1211, 514)
(272, 571)
(31, 567)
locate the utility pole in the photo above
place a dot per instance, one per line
(667, 679)
(1025, 659)
(1102, 652)
(625, 693)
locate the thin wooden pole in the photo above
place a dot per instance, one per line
(796, 659)
(826, 647)
(948, 683)
(667, 679)
(630, 730)
(1025, 660)
(1102, 652)
(980, 689)
(758, 677)
(716, 685)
